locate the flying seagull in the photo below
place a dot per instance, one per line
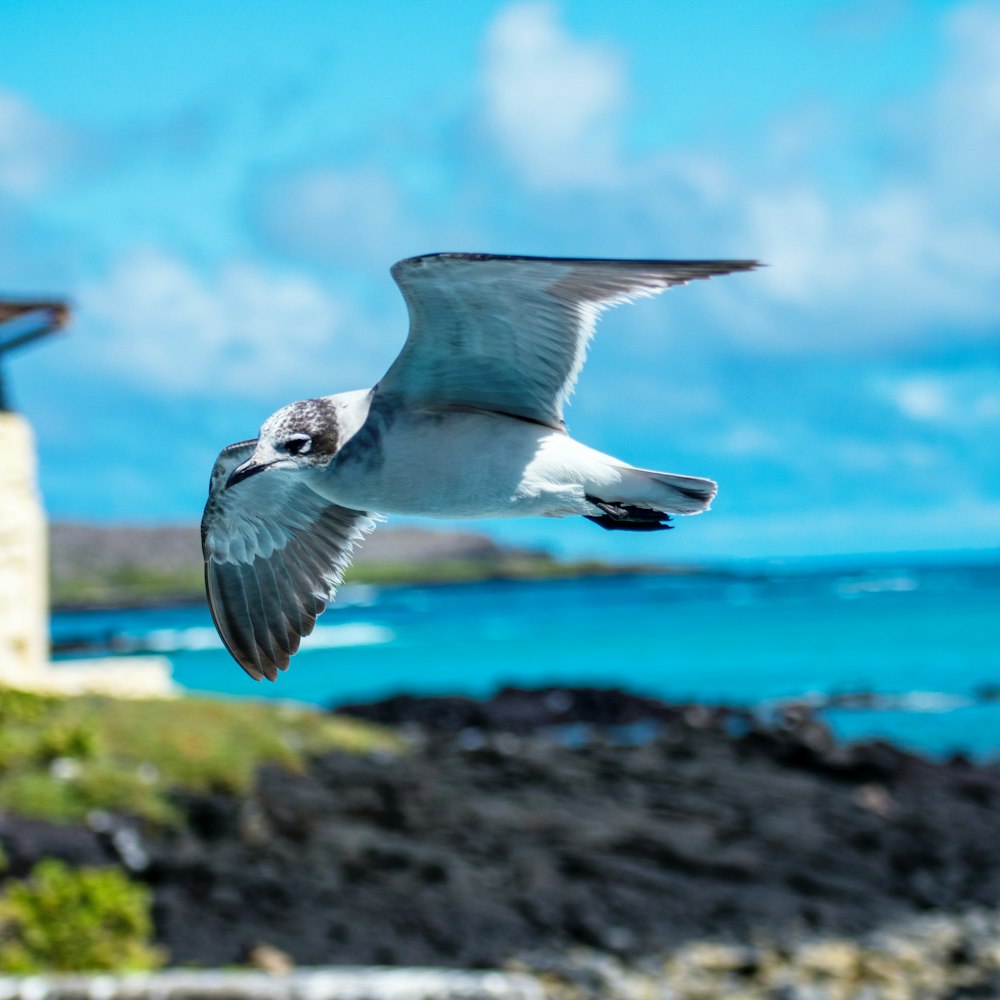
(467, 422)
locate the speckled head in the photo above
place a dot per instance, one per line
(308, 427)
(300, 436)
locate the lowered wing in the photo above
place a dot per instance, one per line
(275, 553)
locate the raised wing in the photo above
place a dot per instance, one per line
(509, 334)
(275, 553)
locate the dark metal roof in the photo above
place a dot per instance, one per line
(25, 320)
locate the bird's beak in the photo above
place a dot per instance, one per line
(249, 468)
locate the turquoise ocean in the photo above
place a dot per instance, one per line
(923, 640)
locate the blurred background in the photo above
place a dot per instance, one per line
(220, 189)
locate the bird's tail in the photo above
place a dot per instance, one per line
(644, 500)
(671, 493)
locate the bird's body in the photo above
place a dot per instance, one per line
(443, 464)
(467, 465)
(467, 423)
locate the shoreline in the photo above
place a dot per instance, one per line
(421, 576)
(857, 576)
(133, 566)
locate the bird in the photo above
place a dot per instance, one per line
(466, 423)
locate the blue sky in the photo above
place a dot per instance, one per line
(221, 188)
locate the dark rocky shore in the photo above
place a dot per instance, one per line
(544, 821)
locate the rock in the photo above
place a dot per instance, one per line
(521, 710)
(875, 799)
(472, 853)
(270, 959)
(26, 841)
(469, 853)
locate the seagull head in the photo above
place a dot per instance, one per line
(298, 437)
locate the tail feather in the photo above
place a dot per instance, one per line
(643, 500)
(666, 491)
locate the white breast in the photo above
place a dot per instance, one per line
(440, 465)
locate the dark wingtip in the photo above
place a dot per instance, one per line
(741, 264)
(695, 268)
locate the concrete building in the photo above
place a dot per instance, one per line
(24, 603)
(24, 624)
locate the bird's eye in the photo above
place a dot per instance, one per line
(298, 445)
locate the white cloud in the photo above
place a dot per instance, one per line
(244, 330)
(32, 149)
(329, 213)
(898, 260)
(860, 456)
(922, 398)
(873, 238)
(920, 246)
(744, 439)
(552, 101)
(968, 399)
(966, 107)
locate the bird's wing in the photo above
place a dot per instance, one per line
(509, 334)
(275, 553)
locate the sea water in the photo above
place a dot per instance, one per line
(925, 641)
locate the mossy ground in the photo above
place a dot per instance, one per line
(62, 919)
(61, 758)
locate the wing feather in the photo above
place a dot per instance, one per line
(231, 613)
(274, 608)
(510, 334)
(275, 553)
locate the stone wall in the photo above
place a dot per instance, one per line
(23, 558)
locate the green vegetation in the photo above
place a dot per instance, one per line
(133, 566)
(508, 567)
(62, 919)
(61, 758)
(127, 586)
